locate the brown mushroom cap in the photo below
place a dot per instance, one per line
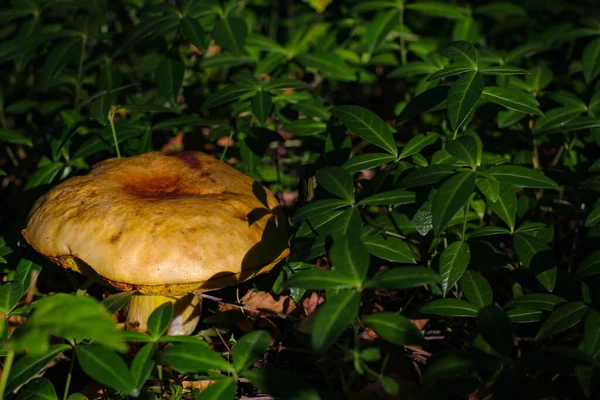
(161, 224)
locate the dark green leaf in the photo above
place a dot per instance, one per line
(391, 198)
(193, 358)
(285, 83)
(282, 384)
(505, 207)
(169, 77)
(337, 181)
(427, 175)
(593, 218)
(224, 96)
(591, 60)
(328, 65)
(476, 289)
(496, 329)
(489, 231)
(333, 317)
(465, 148)
(349, 255)
(38, 389)
(142, 364)
(591, 333)
(231, 33)
(418, 143)
(367, 161)
(222, 389)
(450, 198)
(438, 9)
(106, 367)
(453, 263)
(562, 318)
(521, 176)
(590, 266)
(527, 246)
(536, 301)
(367, 125)
(115, 302)
(249, 348)
(463, 96)
(160, 319)
(524, 315)
(512, 99)
(305, 127)
(183, 121)
(424, 102)
(319, 279)
(261, 106)
(412, 69)
(394, 328)
(26, 272)
(452, 70)
(503, 70)
(147, 28)
(10, 294)
(43, 175)
(460, 51)
(403, 278)
(348, 222)
(193, 32)
(58, 59)
(392, 249)
(32, 364)
(10, 136)
(379, 28)
(319, 207)
(450, 307)
(490, 188)
(555, 120)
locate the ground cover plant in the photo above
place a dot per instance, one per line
(438, 162)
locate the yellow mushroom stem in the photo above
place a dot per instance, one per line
(186, 312)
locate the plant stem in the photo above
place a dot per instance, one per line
(69, 375)
(10, 357)
(227, 145)
(111, 117)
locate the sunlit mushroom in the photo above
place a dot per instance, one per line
(164, 225)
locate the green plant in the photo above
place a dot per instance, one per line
(438, 162)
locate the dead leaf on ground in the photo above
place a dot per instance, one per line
(311, 303)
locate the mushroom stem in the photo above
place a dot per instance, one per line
(186, 312)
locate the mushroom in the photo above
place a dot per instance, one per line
(164, 225)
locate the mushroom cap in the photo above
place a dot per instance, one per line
(161, 224)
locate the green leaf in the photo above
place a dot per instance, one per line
(391, 198)
(160, 319)
(379, 28)
(367, 161)
(578, 124)
(590, 266)
(489, 188)
(282, 384)
(350, 256)
(391, 249)
(536, 301)
(169, 77)
(26, 271)
(224, 96)
(466, 149)
(424, 102)
(527, 246)
(450, 307)
(591, 333)
(10, 294)
(320, 279)
(512, 99)
(182, 122)
(231, 33)
(347, 223)
(438, 9)
(44, 175)
(489, 231)
(524, 315)
(509, 118)
(569, 100)
(193, 32)
(222, 389)
(287, 83)
(106, 367)
(503, 70)
(58, 59)
(333, 317)
(555, 120)
(452, 70)
(10, 136)
(450, 198)
(143, 363)
(562, 318)
(337, 181)
(367, 125)
(38, 389)
(593, 217)
(418, 143)
(412, 69)
(146, 28)
(150, 108)
(403, 278)
(496, 329)
(476, 289)
(115, 302)
(591, 60)
(427, 175)
(463, 96)
(261, 106)
(505, 207)
(453, 263)
(305, 127)
(69, 316)
(319, 225)
(522, 177)
(193, 358)
(328, 65)
(460, 51)
(250, 348)
(394, 328)
(100, 108)
(319, 207)
(31, 365)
